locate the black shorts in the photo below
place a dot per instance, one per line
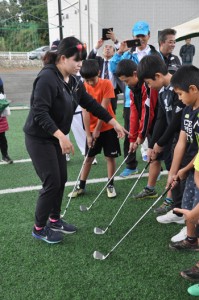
(167, 154)
(109, 142)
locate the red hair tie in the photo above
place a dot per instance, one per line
(79, 47)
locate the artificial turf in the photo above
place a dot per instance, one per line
(142, 267)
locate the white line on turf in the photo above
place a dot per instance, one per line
(70, 183)
(16, 161)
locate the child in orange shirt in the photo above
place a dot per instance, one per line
(98, 132)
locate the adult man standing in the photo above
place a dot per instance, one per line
(105, 73)
(166, 41)
(187, 52)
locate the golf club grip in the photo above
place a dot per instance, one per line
(166, 191)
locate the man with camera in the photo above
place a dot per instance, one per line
(104, 62)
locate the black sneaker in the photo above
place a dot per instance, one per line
(7, 159)
(146, 193)
(191, 274)
(62, 226)
(47, 235)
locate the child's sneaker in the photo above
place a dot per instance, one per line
(164, 208)
(180, 236)
(111, 193)
(184, 245)
(170, 217)
(7, 159)
(146, 193)
(128, 172)
(77, 192)
(191, 274)
(193, 290)
(47, 235)
(62, 226)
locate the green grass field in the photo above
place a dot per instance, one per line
(141, 268)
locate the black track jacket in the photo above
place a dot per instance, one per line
(53, 103)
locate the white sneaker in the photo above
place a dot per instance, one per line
(94, 161)
(180, 236)
(111, 193)
(170, 217)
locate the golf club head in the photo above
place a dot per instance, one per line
(83, 208)
(98, 230)
(98, 255)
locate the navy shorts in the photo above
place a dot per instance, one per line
(109, 142)
(191, 193)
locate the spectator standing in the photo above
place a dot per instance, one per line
(3, 128)
(104, 64)
(166, 41)
(187, 52)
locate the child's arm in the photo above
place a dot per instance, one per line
(179, 152)
(175, 123)
(133, 122)
(182, 173)
(96, 133)
(159, 127)
(191, 216)
(149, 103)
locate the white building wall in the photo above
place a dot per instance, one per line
(87, 24)
(53, 21)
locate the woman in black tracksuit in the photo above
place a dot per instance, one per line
(55, 96)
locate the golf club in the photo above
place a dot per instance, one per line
(84, 161)
(100, 256)
(85, 208)
(98, 230)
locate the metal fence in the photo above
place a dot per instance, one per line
(14, 55)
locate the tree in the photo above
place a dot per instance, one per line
(23, 24)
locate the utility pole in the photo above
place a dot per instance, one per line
(89, 34)
(60, 20)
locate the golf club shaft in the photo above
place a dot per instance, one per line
(109, 181)
(128, 195)
(162, 195)
(84, 161)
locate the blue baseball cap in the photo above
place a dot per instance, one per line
(140, 27)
